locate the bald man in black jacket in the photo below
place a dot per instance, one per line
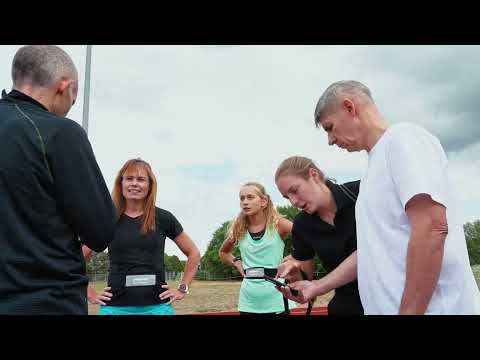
(53, 196)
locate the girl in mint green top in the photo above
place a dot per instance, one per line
(258, 231)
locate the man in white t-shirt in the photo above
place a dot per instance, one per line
(412, 256)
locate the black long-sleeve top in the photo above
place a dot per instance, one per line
(52, 196)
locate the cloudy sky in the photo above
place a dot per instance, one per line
(209, 118)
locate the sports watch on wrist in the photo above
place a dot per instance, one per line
(183, 288)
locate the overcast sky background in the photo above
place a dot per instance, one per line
(210, 118)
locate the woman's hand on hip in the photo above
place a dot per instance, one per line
(173, 294)
(103, 297)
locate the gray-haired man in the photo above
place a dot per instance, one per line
(51, 189)
(412, 253)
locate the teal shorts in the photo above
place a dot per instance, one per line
(159, 309)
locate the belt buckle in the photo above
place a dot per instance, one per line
(140, 280)
(255, 273)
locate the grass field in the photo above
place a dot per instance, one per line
(213, 296)
(207, 296)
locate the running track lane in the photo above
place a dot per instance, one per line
(321, 310)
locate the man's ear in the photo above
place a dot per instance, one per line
(349, 106)
(63, 85)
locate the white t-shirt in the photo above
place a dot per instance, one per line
(406, 161)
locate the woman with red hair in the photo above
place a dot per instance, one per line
(136, 281)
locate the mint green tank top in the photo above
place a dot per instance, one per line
(258, 295)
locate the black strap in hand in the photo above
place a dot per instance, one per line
(285, 303)
(310, 303)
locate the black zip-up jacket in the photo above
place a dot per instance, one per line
(52, 196)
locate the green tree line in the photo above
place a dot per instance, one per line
(100, 262)
(211, 262)
(472, 235)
